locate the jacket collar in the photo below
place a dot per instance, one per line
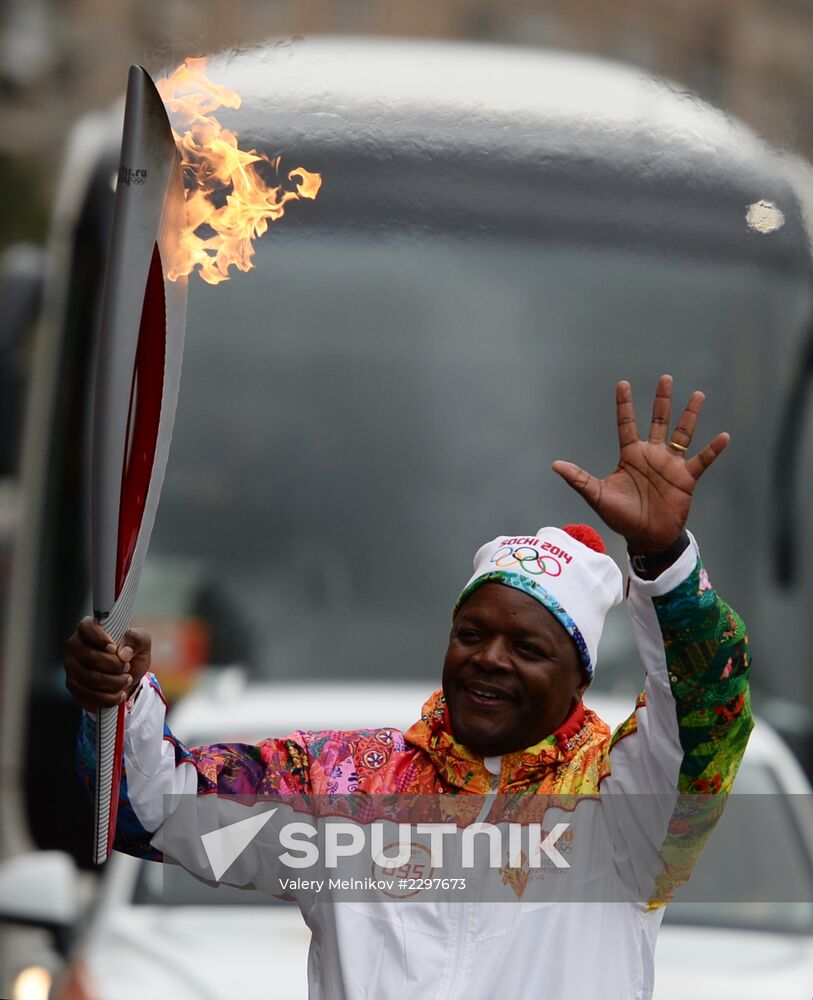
(525, 769)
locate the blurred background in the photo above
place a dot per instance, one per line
(521, 204)
(60, 60)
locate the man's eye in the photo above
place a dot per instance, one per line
(528, 649)
(468, 635)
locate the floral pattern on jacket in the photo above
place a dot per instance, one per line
(707, 657)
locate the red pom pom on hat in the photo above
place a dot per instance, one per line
(586, 535)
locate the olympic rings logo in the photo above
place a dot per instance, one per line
(529, 560)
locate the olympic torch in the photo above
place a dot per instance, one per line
(137, 376)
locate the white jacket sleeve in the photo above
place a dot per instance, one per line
(151, 758)
(166, 806)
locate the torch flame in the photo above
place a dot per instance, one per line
(225, 195)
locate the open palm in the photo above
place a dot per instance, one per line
(648, 495)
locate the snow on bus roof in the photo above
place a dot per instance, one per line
(383, 76)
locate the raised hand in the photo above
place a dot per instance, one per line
(648, 495)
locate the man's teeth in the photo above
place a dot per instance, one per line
(485, 694)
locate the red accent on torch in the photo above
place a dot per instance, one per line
(145, 414)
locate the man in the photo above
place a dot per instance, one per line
(510, 719)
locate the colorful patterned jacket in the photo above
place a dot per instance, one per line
(687, 735)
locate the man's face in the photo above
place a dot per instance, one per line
(512, 674)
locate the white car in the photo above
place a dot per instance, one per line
(155, 931)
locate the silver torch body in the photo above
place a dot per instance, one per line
(137, 378)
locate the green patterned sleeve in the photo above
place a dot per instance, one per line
(707, 661)
(675, 758)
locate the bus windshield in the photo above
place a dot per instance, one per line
(358, 415)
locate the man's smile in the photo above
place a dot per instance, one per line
(483, 693)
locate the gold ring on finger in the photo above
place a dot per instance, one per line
(679, 447)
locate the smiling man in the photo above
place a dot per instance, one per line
(510, 719)
(524, 637)
(512, 675)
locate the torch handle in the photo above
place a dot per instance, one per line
(109, 741)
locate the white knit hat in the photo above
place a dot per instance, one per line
(565, 569)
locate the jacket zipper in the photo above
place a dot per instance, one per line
(456, 988)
